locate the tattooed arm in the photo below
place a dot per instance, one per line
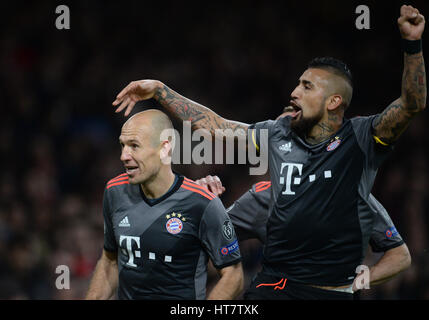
(182, 108)
(393, 121)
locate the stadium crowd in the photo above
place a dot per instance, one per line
(59, 134)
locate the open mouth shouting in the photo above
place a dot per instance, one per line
(131, 170)
(295, 109)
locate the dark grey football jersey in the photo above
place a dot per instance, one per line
(384, 235)
(320, 221)
(163, 246)
(249, 215)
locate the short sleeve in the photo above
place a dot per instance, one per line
(259, 131)
(109, 235)
(384, 235)
(375, 151)
(249, 214)
(218, 236)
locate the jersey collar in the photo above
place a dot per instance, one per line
(151, 202)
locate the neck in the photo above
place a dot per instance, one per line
(325, 128)
(157, 187)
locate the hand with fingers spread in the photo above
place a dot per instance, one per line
(411, 23)
(134, 92)
(212, 183)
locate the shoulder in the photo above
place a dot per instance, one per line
(279, 124)
(261, 132)
(361, 122)
(200, 195)
(261, 186)
(119, 180)
(117, 185)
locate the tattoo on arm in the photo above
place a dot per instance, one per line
(393, 121)
(200, 116)
(414, 82)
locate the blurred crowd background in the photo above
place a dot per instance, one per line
(59, 134)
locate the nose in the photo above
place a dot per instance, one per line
(295, 93)
(125, 154)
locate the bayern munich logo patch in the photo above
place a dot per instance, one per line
(174, 225)
(333, 145)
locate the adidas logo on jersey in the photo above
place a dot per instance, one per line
(287, 147)
(124, 222)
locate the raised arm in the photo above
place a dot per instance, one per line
(182, 108)
(393, 121)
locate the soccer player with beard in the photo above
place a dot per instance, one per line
(322, 168)
(249, 215)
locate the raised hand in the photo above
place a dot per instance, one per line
(134, 92)
(411, 23)
(212, 183)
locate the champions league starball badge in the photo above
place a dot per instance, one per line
(227, 230)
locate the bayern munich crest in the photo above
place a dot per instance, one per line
(334, 144)
(174, 223)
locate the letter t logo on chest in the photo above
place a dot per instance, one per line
(289, 171)
(128, 245)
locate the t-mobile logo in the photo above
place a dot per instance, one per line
(128, 246)
(296, 174)
(289, 171)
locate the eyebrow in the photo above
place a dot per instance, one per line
(128, 141)
(306, 82)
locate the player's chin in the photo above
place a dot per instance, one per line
(302, 125)
(133, 181)
(134, 177)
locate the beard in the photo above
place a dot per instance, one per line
(304, 125)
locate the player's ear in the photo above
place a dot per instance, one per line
(166, 151)
(334, 101)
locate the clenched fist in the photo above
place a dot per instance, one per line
(411, 23)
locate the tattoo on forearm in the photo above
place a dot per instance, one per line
(181, 107)
(393, 121)
(188, 110)
(414, 82)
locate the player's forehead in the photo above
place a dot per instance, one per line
(315, 76)
(129, 138)
(132, 132)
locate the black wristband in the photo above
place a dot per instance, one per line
(411, 46)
